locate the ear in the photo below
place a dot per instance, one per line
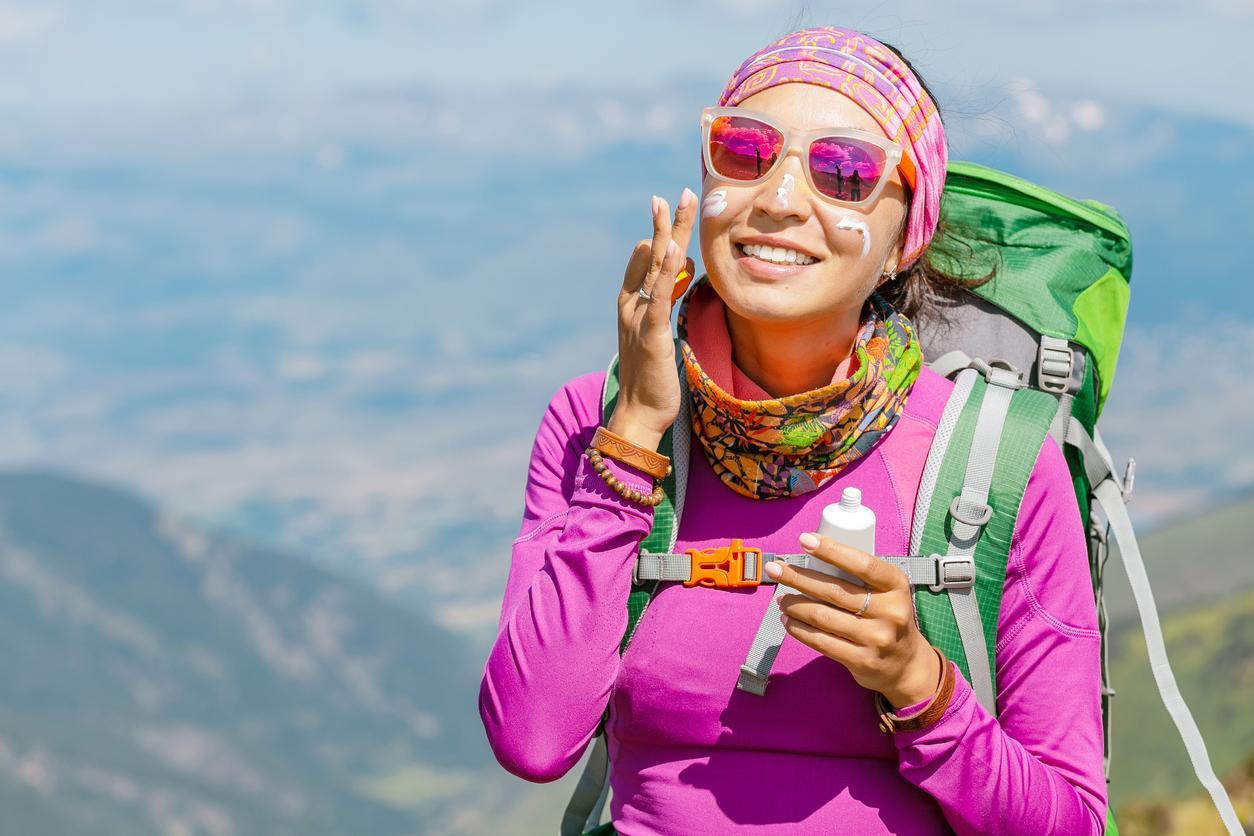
(894, 254)
(890, 264)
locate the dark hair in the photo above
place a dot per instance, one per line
(918, 290)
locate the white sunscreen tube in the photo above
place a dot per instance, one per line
(849, 522)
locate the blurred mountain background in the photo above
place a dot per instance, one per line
(288, 286)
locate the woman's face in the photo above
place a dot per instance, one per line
(784, 207)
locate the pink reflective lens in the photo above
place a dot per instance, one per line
(845, 168)
(742, 148)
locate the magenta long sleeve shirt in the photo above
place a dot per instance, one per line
(692, 754)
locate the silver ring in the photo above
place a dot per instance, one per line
(643, 295)
(866, 603)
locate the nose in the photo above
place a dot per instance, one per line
(786, 193)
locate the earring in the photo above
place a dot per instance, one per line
(887, 277)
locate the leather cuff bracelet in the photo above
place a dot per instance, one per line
(620, 449)
(890, 722)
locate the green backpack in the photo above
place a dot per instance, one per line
(1033, 353)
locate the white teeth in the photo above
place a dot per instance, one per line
(778, 255)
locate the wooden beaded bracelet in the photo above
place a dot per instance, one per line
(603, 470)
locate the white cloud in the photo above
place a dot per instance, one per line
(1054, 121)
(20, 26)
(1184, 418)
(301, 367)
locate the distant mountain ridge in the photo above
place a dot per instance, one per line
(160, 679)
(1195, 558)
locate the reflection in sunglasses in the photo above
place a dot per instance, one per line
(840, 167)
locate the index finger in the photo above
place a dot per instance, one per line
(875, 573)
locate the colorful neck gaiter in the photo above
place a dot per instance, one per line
(783, 447)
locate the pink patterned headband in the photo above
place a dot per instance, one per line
(880, 83)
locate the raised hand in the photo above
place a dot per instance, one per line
(649, 387)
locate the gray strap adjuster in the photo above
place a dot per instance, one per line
(984, 510)
(953, 572)
(999, 373)
(1055, 361)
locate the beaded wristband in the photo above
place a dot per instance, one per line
(603, 470)
(620, 449)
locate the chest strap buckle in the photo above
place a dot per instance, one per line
(725, 567)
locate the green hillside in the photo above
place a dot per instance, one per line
(160, 680)
(1212, 655)
(1203, 581)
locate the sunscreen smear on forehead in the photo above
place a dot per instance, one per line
(849, 522)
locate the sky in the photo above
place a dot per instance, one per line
(287, 269)
(62, 57)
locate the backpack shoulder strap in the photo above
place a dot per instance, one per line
(583, 812)
(973, 482)
(675, 445)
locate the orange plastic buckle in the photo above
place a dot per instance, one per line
(723, 567)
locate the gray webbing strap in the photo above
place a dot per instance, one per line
(971, 512)
(1062, 418)
(949, 362)
(1098, 463)
(766, 642)
(681, 443)
(936, 455)
(1099, 552)
(1109, 496)
(678, 567)
(583, 811)
(934, 570)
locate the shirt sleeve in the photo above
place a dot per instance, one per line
(552, 668)
(1038, 766)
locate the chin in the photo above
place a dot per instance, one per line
(764, 301)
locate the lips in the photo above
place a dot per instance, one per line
(777, 255)
(766, 269)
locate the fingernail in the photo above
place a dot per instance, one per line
(783, 619)
(808, 540)
(686, 198)
(656, 199)
(773, 569)
(671, 246)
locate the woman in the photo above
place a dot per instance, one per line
(793, 319)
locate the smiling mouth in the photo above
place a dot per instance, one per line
(776, 256)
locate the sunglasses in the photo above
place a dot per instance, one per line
(844, 165)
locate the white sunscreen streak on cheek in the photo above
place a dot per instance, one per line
(714, 204)
(859, 227)
(782, 193)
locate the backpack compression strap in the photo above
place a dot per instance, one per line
(583, 812)
(1110, 495)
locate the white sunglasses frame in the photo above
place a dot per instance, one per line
(802, 140)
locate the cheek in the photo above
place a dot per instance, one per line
(714, 204)
(857, 226)
(722, 207)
